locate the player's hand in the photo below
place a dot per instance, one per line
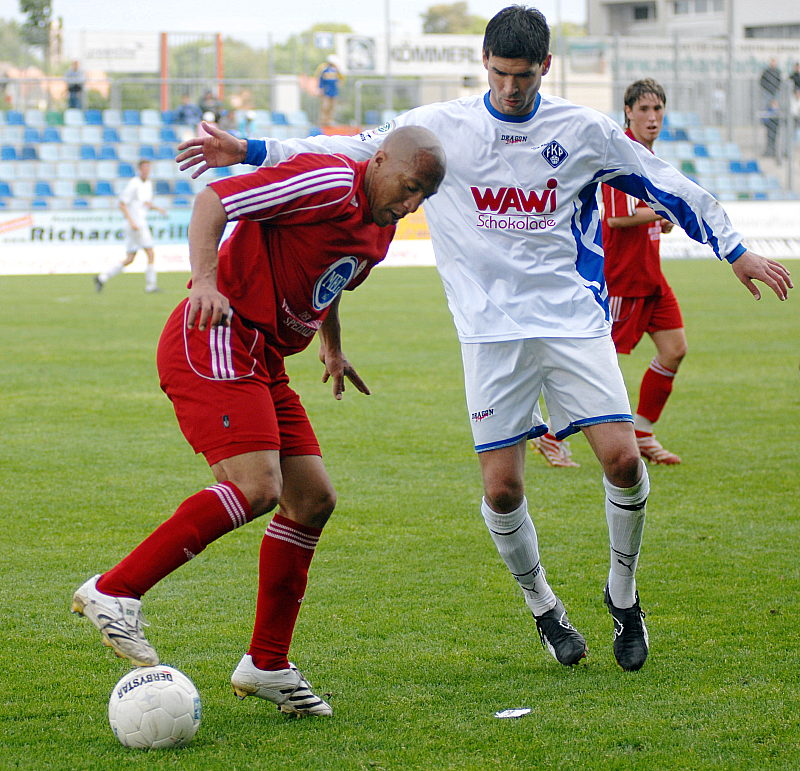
(207, 306)
(337, 368)
(219, 148)
(751, 266)
(666, 226)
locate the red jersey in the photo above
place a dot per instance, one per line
(305, 234)
(633, 262)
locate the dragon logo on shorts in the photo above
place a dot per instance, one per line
(333, 281)
(554, 154)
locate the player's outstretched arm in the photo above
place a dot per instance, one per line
(217, 148)
(750, 267)
(337, 367)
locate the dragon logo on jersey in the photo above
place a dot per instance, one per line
(333, 281)
(554, 154)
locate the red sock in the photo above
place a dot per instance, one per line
(654, 391)
(286, 553)
(199, 520)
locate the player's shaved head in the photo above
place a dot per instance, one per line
(408, 167)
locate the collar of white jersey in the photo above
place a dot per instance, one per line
(510, 118)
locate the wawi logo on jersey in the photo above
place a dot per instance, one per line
(512, 208)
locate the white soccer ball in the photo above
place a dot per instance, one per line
(154, 707)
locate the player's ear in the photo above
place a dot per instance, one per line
(546, 64)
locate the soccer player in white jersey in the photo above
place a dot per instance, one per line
(516, 234)
(135, 201)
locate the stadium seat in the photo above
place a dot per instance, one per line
(12, 135)
(110, 135)
(5, 190)
(731, 151)
(31, 135)
(63, 188)
(67, 152)
(28, 153)
(147, 152)
(8, 153)
(167, 134)
(43, 190)
(131, 118)
(688, 167)
(3, 203)
(85, 170)
(54, 118)
(182, 187)
(181, 201)
(15, 118)
(40, 203)
(91, 135)
(34, 118)
(128, 151)
(88, 153)
(165, 169)
(125, 170)
(129, 134)
(298, 118)
(51, 134)
(148, 135)
(222, 171)
(112, 118)
(50, 153)
(150, 117)
(107, 169)
(83, 188)
(701, 151)
(165, 152)
(107, 153)
(103, 187)
(71, 135)
(66, 170)
(163, 187)
(80, 203)
(73, 117)
(168, 117)
(279, 119)
(119, 185)
(23, 188)
(93, 118)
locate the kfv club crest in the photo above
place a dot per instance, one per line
(554, 153)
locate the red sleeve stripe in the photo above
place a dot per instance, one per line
(278, 194)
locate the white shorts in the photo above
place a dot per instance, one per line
(580, 379)
(138, 239)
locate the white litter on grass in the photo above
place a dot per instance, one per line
(513, 712)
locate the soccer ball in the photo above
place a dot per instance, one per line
(154, 707)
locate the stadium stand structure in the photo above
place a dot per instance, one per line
(81, 159)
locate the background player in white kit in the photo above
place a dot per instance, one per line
(135, 201)
(516, 234)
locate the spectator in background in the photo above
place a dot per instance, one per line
(770, 82)
(210, 103)
(189, 113)
(134, 203)
(794, 76)
(329, 75)
(75, 80)
(771, 118)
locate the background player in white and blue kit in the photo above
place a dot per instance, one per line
(517, 238)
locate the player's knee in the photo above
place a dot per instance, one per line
(624, 467)
(504, 495)
(262, 494)
(315, 508)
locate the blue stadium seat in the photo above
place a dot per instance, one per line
(665, 135)
(93, 117)
(103, 187)
(15, 118)
(5, 190)
(182, 187)
(107, 153)
(31, 135)
(169, 117)
(163, 187)
(51, 134)
(737, 167)
(43, 190)
(181, 201)
(280, 119)
(125, 170)
(165, 152)
(40, 203)
(131, 118)
(701, 151)
(110, 135)
(80, 203)
(147, 152)
(167, 134)
(29, 153)
(88, 153)
(8, 153)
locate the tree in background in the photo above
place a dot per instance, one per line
(36, 28)
(452, 19)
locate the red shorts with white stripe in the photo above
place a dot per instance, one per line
(633, 316)
(230, 391)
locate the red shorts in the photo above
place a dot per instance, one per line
(230, 391)
(633, 316)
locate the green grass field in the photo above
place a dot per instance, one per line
(411, 621)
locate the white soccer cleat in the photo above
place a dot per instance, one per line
(119, 620)
(285, 687)
(556, 453)
(651, 450)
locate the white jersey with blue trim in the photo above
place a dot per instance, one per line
(515, 224)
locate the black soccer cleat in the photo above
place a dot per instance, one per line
(557, 634)
(631, 642)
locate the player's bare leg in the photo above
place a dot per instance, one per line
(626, 486)
(505, 512)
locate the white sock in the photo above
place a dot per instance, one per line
(642, 424)
(625, 513)
(515, 538)
(111, 272)
(150, 277)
